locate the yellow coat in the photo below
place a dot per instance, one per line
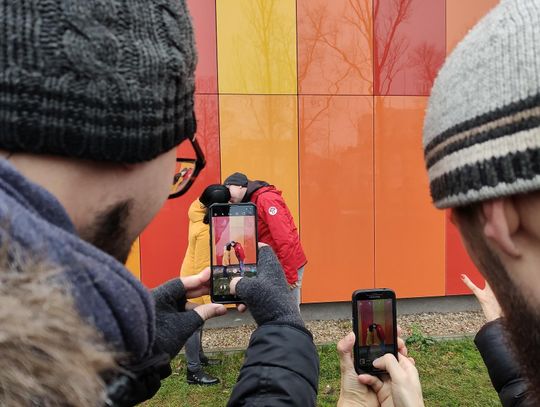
(197, 256)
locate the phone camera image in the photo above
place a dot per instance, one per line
(375, 330)
(234, 250)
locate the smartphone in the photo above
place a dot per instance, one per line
(233, 247)
(375, 327)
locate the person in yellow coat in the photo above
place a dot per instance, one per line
(197, 258)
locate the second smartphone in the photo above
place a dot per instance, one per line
(375, 327)
(233, 247)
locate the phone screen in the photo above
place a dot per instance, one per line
(375, 331)
(233, 231)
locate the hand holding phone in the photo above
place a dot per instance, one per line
(233, 248)
(375, 327)
(267, 294)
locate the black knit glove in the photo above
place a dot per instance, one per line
(267, 295)
(174, 325)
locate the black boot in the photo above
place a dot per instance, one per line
(201, 378)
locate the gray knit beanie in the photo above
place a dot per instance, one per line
(96, 79)
(482, 128)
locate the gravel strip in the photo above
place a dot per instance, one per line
(431, 324)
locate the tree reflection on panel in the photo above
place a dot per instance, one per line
(409, 45)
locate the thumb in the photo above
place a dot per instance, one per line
(208, 311)
(269, 269)
(233, 283)
(389, 363)
(344, 348)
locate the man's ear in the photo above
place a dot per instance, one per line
(501, 222)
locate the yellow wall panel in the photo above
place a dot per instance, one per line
(259, 137)
(134, 260)
(256, 46)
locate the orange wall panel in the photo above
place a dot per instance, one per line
(409, 231)
(259, 137)
(461, 16)
(334, 47)
(164, 241)
(336, 185)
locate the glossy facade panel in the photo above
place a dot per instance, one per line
(336, 195)
(409, 231)
(289, 99)
(164, 242)
(203, 13)
(409, 45)
(257, 46)
(259, 137)
(334, 47)
(461, 16)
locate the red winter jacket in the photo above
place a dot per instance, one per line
(239, 252)
(277, 229)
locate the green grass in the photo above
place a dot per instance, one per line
(452, 374)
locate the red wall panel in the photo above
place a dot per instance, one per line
(203, 13)
(458, 262)
(409, 45)
(164, 242)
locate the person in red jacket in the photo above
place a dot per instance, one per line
(275, 224)
(240, 255)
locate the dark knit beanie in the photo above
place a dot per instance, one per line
(100, 80)
(237, 179)
(482, 127)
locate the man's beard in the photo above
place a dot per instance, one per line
(521, 321)
(109, 232)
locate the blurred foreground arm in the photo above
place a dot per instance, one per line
(281, 367)
(502, 367)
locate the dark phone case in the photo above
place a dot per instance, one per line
(388, 294)
(230, 299)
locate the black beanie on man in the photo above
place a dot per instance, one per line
(99, 80)
(237, 179)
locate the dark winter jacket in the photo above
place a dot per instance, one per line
(502, 367)
(281, 369)
(106, 294)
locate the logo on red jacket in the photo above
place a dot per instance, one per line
(272, 210)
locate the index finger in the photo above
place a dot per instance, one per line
(372, 381)
(407, 364)
(402, 347)
(467, 281)
(345, 348)
(196, 281)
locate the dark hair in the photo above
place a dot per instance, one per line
(215, 193)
